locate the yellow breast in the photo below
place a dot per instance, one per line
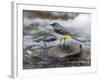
(65, 37)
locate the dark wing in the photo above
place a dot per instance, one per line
(62, 30)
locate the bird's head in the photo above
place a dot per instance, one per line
(55, 24)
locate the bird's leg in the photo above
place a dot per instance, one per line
(60, 42)
(64, 44)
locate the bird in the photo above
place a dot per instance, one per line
(58, 28)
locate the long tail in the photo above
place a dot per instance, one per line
(76, 39)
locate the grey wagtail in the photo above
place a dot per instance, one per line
(63, 31)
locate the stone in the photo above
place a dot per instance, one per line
(71, 47)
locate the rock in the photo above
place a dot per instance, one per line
(30, 57)
(37, 38)
(44, 36)
(86, 54)
(71, 47)
(50, 39)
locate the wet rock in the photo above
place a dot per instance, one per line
(39, 40)
(50, 39)
(30, 57)
(86, 54)
(71, 47)
(44, 36)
